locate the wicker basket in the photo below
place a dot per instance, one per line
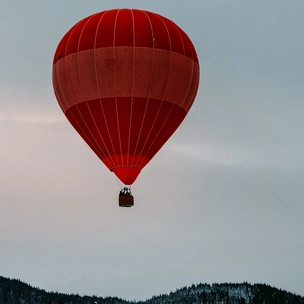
(126, 201)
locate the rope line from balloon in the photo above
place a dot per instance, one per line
(165, 91)
(115, 89)
(99, 94)
(85, 97)
(148, 98)
(131, 106)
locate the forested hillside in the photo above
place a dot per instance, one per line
(16, 292)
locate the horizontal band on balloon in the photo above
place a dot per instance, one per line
(126, 71)
(126, 172)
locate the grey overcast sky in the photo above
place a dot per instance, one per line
(223, 201)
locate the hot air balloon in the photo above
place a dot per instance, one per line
(125, 79)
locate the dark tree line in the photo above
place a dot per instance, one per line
(16, 292)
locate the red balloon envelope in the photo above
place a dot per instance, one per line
(125, 79)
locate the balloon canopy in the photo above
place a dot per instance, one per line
(125, 79)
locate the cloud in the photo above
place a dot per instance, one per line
(29, 107)
(210, 153)
(42, 118)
